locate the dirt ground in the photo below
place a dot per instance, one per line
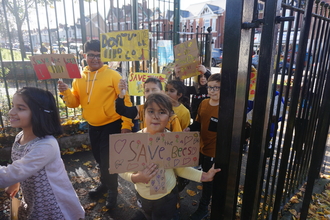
(83, 173)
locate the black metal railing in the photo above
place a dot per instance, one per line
(290, 98)
(63, 26)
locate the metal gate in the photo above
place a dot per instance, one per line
(63, 26)
(293, 60)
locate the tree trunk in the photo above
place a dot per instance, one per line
(20, 38)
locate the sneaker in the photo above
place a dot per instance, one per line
(111, 201)
(199, 214)
(98, 192)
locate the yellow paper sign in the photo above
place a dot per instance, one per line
(187, 58)
(136, 82)
(253, 81)
(125, 46)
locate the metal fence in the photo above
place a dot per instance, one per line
(293, 59)
(292, 75)
(63, 27)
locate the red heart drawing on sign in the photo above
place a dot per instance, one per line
(186, 160)
(132, 166)
(187, 139)
(195, 158)
(119, 145)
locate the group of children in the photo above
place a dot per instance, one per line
(162, 113)
(37, 165)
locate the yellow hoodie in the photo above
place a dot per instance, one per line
(96, 92)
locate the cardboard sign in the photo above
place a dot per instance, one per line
(114, 64)
(135, 151)
(55, 66)
(168, 70)
(158, 182)
(125, 46)
(136, 82)
(187, 58)
(165, 52)
(14, 205)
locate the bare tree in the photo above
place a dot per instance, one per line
(19, 9)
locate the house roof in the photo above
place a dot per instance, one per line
(216, 9)
(195, 9)
(183, 14)
(126, 10)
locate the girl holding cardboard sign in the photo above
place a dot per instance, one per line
(158, 110)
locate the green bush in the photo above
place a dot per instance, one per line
(6, 55)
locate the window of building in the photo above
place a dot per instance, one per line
(214, 24)
(207, 23)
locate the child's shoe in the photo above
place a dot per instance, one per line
(111, 201)
(98, 192)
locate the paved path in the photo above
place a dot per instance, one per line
(84, 176)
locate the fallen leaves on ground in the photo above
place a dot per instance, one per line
(88, 164)
(319, 207)
(89, 206)
(82, 192)
(191, 192)
(5, 204)
(72, 150)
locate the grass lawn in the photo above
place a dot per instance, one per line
(6, 55)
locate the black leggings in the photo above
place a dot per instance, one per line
(206, 163)
(99, 138)
(160, 209)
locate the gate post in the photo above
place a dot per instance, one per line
(208, 48)
(233, 93)
(176, 37)
(136, 27)
(82, 21)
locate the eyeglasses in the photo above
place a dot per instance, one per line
(92, 56)
(215, 88)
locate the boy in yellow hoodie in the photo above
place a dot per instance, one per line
(96, 92)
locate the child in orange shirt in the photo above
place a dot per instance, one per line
(206, 122)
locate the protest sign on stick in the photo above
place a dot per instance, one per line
(187, 58)
(125, 45)
(55, 66)
(136, 82)
(168, 70)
